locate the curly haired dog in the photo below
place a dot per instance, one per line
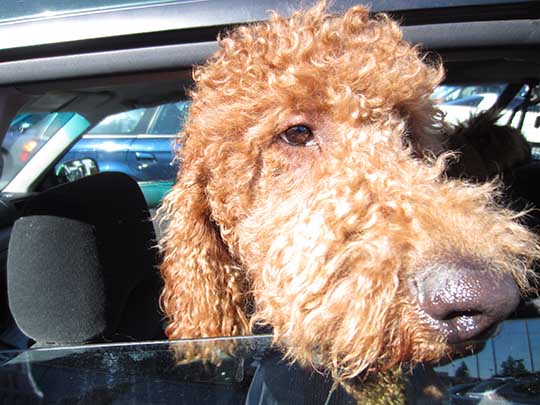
(487, 150)
(310, 201)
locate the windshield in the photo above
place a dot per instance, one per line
(29, 132)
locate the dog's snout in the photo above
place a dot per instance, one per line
(465, 301)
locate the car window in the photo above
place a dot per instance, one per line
(28, 133)
(524, 113)
(526, 389)
(233, 370)
(459, 103)
(144, 372)
(487, 386)
(513, 352)
(139, 143)
(123, 123)
(170, 119)
(472, 101)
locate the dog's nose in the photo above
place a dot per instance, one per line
(465, 301)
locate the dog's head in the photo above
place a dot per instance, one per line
(308, 201)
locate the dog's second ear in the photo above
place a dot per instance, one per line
(204, 287)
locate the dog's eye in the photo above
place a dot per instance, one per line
(299, 135)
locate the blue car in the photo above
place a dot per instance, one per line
(138, 142)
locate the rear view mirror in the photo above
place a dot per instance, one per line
(23, 127)
(76, 169)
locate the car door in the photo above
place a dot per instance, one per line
(151, 155)
(109, 142)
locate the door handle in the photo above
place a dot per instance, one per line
(145, 156)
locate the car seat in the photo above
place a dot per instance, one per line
(94, 234)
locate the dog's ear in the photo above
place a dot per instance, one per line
(204, 293)
(426, 131)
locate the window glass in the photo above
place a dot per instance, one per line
(28, 133)
(139, 143)
(460, 103)
(246, 370)
(523, 113)
(170, 118)
(123, 123)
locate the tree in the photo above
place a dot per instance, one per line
(513, 366)
(462, 370)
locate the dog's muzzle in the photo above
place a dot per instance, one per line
(464, 301)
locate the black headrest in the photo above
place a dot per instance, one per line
(115, 208)
(56, 297)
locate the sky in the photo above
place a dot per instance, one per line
(510, 340)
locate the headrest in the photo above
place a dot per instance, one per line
(113, 207)
(56, 297)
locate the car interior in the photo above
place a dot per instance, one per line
(95, 199)
(121, 244)
(96, 98)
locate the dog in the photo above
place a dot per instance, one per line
(487, 150)
(313, 201)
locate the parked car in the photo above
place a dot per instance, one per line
(486, 389)
(139, 142)
(25, 136)
(108, 81)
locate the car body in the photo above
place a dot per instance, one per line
(143, 147)
(113, 78)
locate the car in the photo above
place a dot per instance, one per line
(103, 86)
(486, 389)
(138, 142)
(26, 134)
(523, 389)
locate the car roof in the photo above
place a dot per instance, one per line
(165, 39)
(36, 9)
(89, 20)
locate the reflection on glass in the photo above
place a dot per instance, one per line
(29, 132)
(514, 350)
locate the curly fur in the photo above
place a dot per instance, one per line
(320, 242)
